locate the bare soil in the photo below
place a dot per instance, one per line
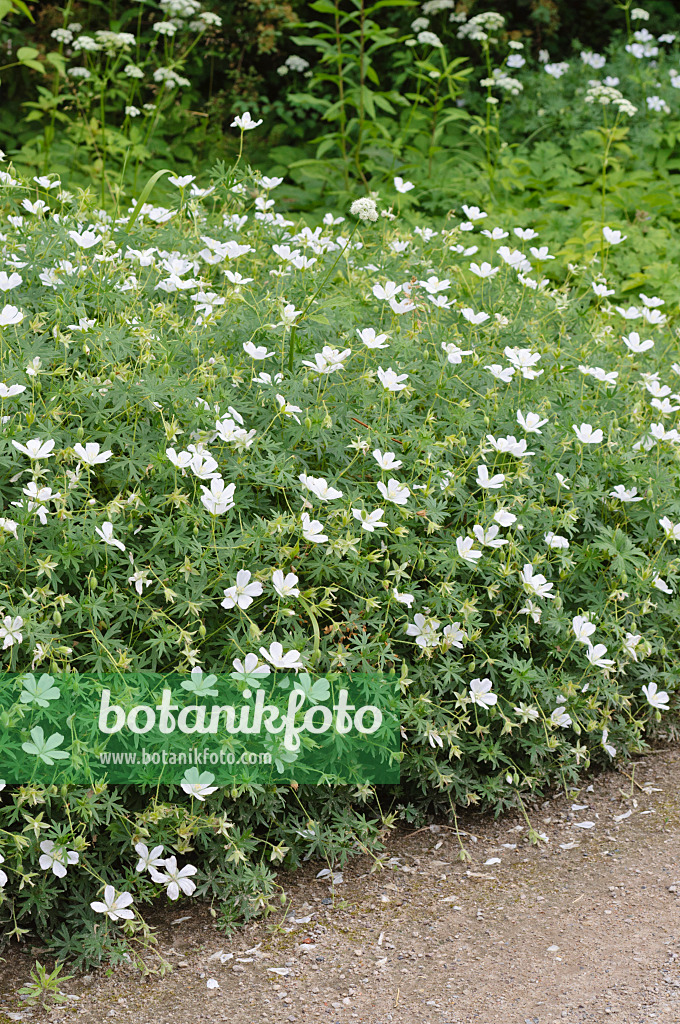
(583, 928)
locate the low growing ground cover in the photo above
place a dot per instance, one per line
(233, 439)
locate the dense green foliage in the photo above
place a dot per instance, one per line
(451, 415)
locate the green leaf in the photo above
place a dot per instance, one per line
(146, 192)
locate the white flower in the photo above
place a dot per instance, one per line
(371, 339)
(245, 122)
(629, 312)
(256, 351)
(553, 540)
(612, 236)
(534, 610)
(467, 550)
(505, 518)
(364, 208)
(242, 593)
(535, 584)
(90, 455)
(489, 538)
(394, 491)
(280, 659)
(406, 599)
(632, 341)
(595, 656)
(425, 630)
(328, 360)
(386, 291)
(7, 282)
(429, 39)
(657, 698)
(106, 535)
(183, 181)
(56, 858)
(587, 435)
(288, 409)
(149, 858)
(35, 448)
(485, 270)
(174, 879)
(480, 693)
(179, 460)
(661, 585)
(624, 493)
(454, 635)
(403, 186)
(386, 460)
(474, 318)
(524, 360)
(250, 669)
(370, 521)
(671, 530)
(391, 380)
(12, 390)
(502, 373)
(509, 445)
(491, 483)
(658, 104)
(140, 580)
(473, 213)
(85, 239)
(561, 718)
(285, 586)
(9, 526)
(630, 644)
(194, 784)
(532, 422)
(218, 498)
(312, 530)
(454, 353)
(3, 874)
(611, 750)
(319, 487)
(115, 905)
(203, 466)
(583, 628)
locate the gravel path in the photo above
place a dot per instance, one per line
(584, 928)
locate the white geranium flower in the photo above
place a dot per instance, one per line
(115, 905)
(394, 491)
(536, 583)
(285, 586)
(279, 658)
(90, 454)
(243, 592)
(57, 858)
(657, 698)
(106, 535)
(480, 693)
(176, 880)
